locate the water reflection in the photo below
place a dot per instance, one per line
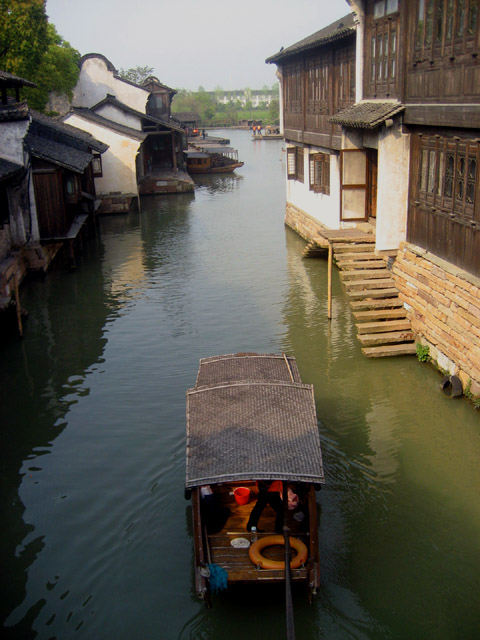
(218, 184)
(93, 449)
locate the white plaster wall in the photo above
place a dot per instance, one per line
(113, 113)
(322, 207)
(11, 140)
(392, 187)
(95, 81)
(118, 162)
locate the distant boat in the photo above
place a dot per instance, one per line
(209, 158)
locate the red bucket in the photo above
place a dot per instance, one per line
(242, 495)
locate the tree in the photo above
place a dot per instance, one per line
(136, 74)
(30, 47)
(23, 36)
(274, 111)
(58, 71)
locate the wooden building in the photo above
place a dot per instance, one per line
(383, 136)
(47, 190)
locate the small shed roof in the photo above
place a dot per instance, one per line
(339, 29)
(121, 129)
(9, 169)
(9, 80)
(109, 99)
(243, 429)
(367, 115)
(69, 132)
(60, 154)
(186, 116)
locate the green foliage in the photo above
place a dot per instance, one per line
(136, 74)
(423, 352)
(475, 400)
(58, 71)
(23, 36)
(32, 49)
(214, 113)
(274, 112)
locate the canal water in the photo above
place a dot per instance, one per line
(96, 535)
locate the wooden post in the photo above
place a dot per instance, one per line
(18, 307)
(329, 285)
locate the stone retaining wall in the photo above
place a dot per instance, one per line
(443, 304)
(307, 227)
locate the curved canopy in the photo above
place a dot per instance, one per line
(241, 427)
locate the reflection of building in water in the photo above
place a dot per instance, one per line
(123, 265)
(218, 183)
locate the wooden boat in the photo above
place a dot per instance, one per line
(212, 159)
(251, 419)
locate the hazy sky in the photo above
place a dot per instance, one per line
(191, 43)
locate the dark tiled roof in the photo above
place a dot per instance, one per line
(339, 29)
(9, 80)
(186, 116)
(155, 81)
(57, 153)
(241, 427)
(14, 111)
(8, 169)
(124, 107)
(91, 116)
(367, 115)
(69, 131)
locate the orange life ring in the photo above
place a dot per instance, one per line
(255, 552)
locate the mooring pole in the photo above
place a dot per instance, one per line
(329, 285)
(288, 586)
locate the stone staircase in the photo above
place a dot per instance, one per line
(382, 325)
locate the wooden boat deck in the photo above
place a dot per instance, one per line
(236, 561)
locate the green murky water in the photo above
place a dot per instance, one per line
(96, 539)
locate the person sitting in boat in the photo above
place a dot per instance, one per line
(269, 492)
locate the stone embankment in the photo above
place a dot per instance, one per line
(443, 306)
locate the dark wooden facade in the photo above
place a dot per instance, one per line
(441, 91)
(317, 84)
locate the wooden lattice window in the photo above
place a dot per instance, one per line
(292, 82)
(448, 176)
(382, 49)
(445, 24)
(291, 163)
(320, 172)
(295, 164)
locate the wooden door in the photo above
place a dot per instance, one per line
(372, 158)
(353, 188)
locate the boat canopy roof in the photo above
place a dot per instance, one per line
(250, 417)
(210, 148)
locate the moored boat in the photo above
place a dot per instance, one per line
(252, 428)
(212, 159)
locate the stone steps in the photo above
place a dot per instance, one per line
(382, 326)
(407, 349)
(373, 294)
(360, 274)
(359, 285)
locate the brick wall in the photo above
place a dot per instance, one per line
(443, 305)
